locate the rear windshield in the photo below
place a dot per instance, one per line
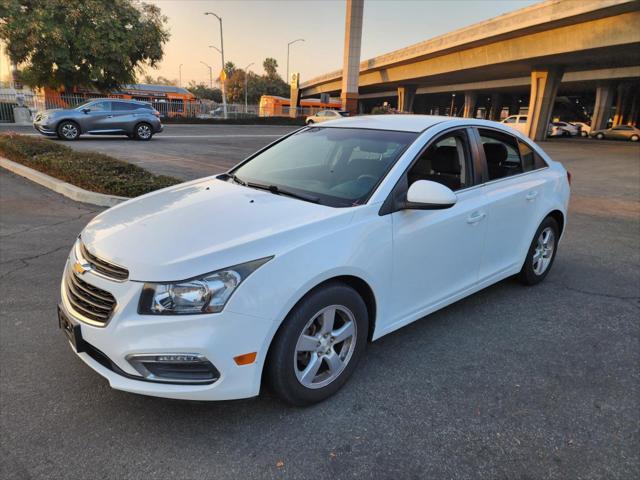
(338, 166)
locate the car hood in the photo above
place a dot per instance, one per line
(202, 226)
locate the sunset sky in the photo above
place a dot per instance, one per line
(254, 30)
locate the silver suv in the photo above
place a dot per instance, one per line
(105, 116)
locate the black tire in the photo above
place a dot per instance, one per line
(143, 131)
(282, 361)
(310, 122)
(528, 275)
(634, 138)
(584, 134)
(68, 130)
(600, 136)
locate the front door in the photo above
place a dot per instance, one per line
(97, 117)
(437, 253)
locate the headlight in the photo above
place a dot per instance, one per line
(208, 293)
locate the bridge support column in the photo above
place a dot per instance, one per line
(406, 95)
(602, 107)
(544, 87)
(351, 56)
(470, 99)
(497, 103)
(635, 107)
(622, 104)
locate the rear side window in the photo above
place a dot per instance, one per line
(125, 106)
(522, 120)
(502, 153)
(530, 159)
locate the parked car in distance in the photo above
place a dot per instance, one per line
(517, 122)
(562, 129)
(325, 115)
(104, 116)
(329, 238)
(621, 132)
(585, 128)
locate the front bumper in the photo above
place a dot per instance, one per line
(45, 129)
(218, 337)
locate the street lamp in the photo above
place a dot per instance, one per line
(246, 85)
(224, 93)
(180, 75)
(288, 48)
(453, 98)
(210, 73)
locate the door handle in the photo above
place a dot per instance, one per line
(531, 195)
(475, 217)
(109, 116)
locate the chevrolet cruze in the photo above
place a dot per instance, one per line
(286, 266)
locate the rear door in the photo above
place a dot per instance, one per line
(513, 191)
(124, 116)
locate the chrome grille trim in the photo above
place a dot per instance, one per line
(90, 303)
(103, 267)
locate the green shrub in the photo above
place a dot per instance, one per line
(92, 171)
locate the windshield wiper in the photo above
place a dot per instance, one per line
(280, 191)
(235, 178)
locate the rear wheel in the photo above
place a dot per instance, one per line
(68, 130)
(319, 344)
(143, 131)
(634, 138)
(310, 122)
(542, 253)
(600, 136)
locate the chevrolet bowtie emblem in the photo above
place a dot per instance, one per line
(81, 268)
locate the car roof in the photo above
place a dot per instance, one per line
(406, 122)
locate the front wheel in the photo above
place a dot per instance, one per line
(68, 130)
(318, 345)
(600, 136)
(310, 122)
(634, 138)
(542, 253)
(143, 131)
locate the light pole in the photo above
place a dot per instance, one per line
(180, 75)
(288, 48)
(210, 73)
(246, 85)
(224, 94)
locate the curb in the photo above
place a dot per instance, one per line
(70, 191)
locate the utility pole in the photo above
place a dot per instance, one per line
(246, 85)
(288, 48)
(224, 93)
(180, 75)
(210, 73)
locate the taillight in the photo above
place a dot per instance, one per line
(569, 177)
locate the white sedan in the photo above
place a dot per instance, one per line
(563, 129)
(285, 267)
(325, 116)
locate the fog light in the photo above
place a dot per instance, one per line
(175, 367)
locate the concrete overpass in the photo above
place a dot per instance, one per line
(534, 51)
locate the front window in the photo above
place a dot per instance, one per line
(338, 167)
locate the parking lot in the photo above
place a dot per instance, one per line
(512, 382)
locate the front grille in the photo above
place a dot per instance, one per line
(89, 301)
(103, 267)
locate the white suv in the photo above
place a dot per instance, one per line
(286, 266)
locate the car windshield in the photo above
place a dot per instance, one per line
(338, 167)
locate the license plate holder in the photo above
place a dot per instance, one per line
(72, 331)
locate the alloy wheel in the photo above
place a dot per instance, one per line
(325, 346)
(69, 131)
(544, 251)
(144, 131)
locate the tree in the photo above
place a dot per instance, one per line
(270, 66)
(95, 43)
(200, 90)
(159, 81)
(229, 68)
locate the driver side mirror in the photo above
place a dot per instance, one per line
(428, 195)
(86, 110)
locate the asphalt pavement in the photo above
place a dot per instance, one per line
(510, 383)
